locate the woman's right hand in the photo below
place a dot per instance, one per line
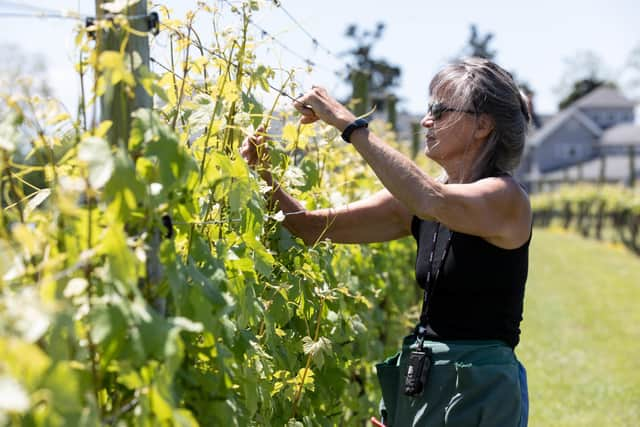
(254, 150)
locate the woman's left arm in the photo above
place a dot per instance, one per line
(496, 209)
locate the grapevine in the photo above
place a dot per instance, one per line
(241, 323)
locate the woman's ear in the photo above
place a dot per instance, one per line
(484, 126)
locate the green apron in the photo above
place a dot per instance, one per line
(470, 383)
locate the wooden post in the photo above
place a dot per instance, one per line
(392, 114)
(360, 81)
(579, 171)
(415, 139)
(632, 165)
(603, 168)
(116, 104)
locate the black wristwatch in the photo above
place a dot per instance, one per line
(357, 124)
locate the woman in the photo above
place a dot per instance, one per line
(473, 229)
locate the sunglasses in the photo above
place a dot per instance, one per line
(437, 109)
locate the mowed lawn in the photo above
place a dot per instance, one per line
(580, 336)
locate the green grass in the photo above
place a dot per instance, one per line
(580, 336)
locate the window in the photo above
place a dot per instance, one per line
(566, 151)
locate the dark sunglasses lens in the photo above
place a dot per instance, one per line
(436, 110)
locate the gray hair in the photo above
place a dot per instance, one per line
(477, 84)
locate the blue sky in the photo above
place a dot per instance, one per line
(534, 39)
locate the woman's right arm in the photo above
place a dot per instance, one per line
(378, 218)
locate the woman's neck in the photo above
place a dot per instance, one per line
(461, 168)
(458, 172)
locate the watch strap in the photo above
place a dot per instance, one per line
(356, 124)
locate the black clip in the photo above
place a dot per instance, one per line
(90, 21)
(417, 374)
(166, 221)
(152, 19)
(153, 23)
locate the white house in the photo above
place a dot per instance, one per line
(593, 139)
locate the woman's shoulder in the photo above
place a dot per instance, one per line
(513, 201)
(505, 186)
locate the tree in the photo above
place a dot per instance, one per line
(380, 75)
(583, 73)
(18, 67)
(21, 75)
(630, 75)
(582, 88)
(23, 80)
(478, 45)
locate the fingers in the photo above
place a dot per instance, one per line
(257, 140)
(254, 149)
(305, 120)
(251, 146)
(317, 104)
(318, 88)
(259, 137)
(302, 104)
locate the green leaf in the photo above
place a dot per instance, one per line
(108, 331)
(25, 362)
(210, 286)
(13, 397)
(65, 387)
(185, 324)
(311, 173)
(121, 261)
(160, 404)
(124, 191)
(184, 418)
(161, 143)
(278, 309)
(251, 104)
(75, 287)
(130, 379)
(317, 349)
(9, 135)
(153, 335)
(11, 264)
(96, 152)
(239, 195)
(173, 350)
(35, 201)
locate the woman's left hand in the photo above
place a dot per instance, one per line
(323, 107)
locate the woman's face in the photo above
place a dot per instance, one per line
(449, 130)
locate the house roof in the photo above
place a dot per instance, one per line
(561, 118)
(622, 134)
(604, 96)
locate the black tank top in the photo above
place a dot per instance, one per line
(479, 293)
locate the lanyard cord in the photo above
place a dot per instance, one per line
(432, 278)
